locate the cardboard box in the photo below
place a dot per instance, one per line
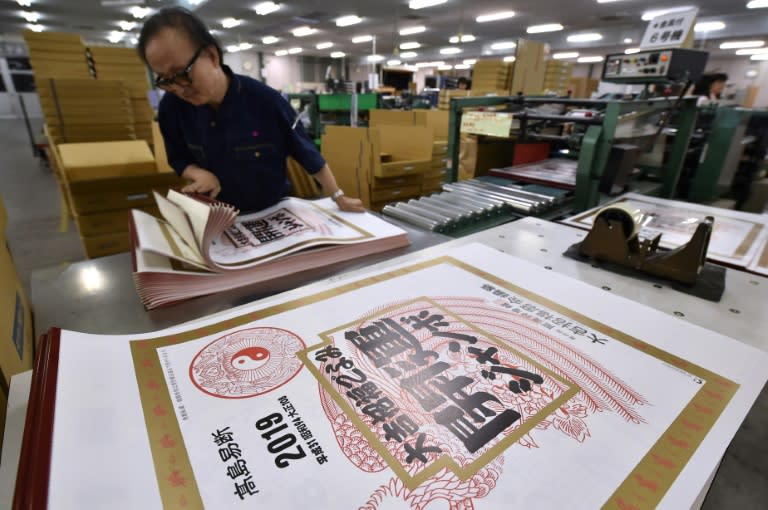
(437, 120)
(15, 323)
(351, 153)
(530, 66)
(158, 144)
(391, 117)
(396, 182)
(395, 194)
(106, 244)
(410, 148)
(87, 161)
(478, 154)
(3, 221)
(108, 222)
(110, 194)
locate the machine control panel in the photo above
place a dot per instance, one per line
(655, 66)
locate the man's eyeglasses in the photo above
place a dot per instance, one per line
(182, 78)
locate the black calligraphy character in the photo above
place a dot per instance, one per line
(385, 339)
(329, 351)
(364, 393)
(222, 436)
(417, 451)
(425, 320)
(354, 376)
(247, 488)
(381, 410)
(516, 386)
(474, 438)
(471, 404)
(417, 386)
(485, 356)
(399, 428)
(239, 468)
(230, 451)
(343, 363)
(596, 340)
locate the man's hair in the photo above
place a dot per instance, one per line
(180, 19)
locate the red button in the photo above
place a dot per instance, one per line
(664, 57)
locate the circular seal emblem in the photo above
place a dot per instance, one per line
(247, 363)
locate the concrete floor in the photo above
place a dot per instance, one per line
(37, 240)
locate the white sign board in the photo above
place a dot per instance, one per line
(669, 30)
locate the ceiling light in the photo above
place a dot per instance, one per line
(374, 58)
(424, 64)
(303, 31)
(461, 66)
(230, 22)
(510, 58)
(32, 17)
(735, 45)
(134, 40)
(631, 51)
(346, 21)
(24, 3)
(504, 45)
(265, 8)
(649, 15)
(139, 12)
(245, 46)
(708, 26)
(232, 48)
(127, 26)
(607, 1)
(281, 53)
(409, 54)
(540, 29)
(338, 54)
(35, 27)
(628, 40)
(754, 51)
(752, 73)
(270, 39)
(445, 68)
(759, 56)
(565, 55)
(757, 4)
(115, 36)
(362, 38)
(577, 38)
(324, 45)
(294, 51)
(421, 4)
(437, 64)
(413, 30)
(470, 61)
(589, 60)
(450, 50)
(496, 16)
(409, 45)
(394, 62)
(464, 38)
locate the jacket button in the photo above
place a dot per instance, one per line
(257, 154)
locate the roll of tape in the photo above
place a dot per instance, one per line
(630, 217)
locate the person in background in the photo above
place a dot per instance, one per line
(462, 83)
(228, 134)
(709, 88)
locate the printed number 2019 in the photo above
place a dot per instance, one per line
(277, 443)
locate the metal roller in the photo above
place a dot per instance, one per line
(475, 195)
(495, 207)
(420, 211)
(519, 204)
(413, 219)
(514, 191)
(504, 195)
(452, 215)
(451, 209)
(477, 209)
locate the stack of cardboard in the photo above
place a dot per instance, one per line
(115, 63)
(16, 350)
(530, 68)
(557, 79)
(445, 96)
(103, 181)
(491, 77)
(57, 55)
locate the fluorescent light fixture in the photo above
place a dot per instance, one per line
(413, 30)
(230, 22)
(324, 45)
(394, 62)
(346, 21)
(115, 36)
(461, 66)
(565, 55)
(134, 40)
(464, 38)
(338, 54)
(589, 60)
(303, 31)
(540, 29)
(495, 16)
(245, 46)
(127, 26)
(504, 45)
(362, 38)
(627, 40)
(752, 73)
(409, 54)
(374, 58)
(421, 4)
(270, 39)
(139, 12)
(708, 26)
(450, 50)
(607, 1)
(35, 27)
(437, 64)
(32, 17)
(24, 3)
(510, 58)
(759, 56)
(281, 53)
(753, 51)
(631, 51)
(649, 15)
(409, 45)
(232, 48)
(293, 51)
(736, 45)
(757, 4)
(265, 8)
(445, 68)
(590, 37)
(470, 61)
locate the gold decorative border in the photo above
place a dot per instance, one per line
(644, 487)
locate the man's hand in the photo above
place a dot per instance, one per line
(350, 204)
(203, 181)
